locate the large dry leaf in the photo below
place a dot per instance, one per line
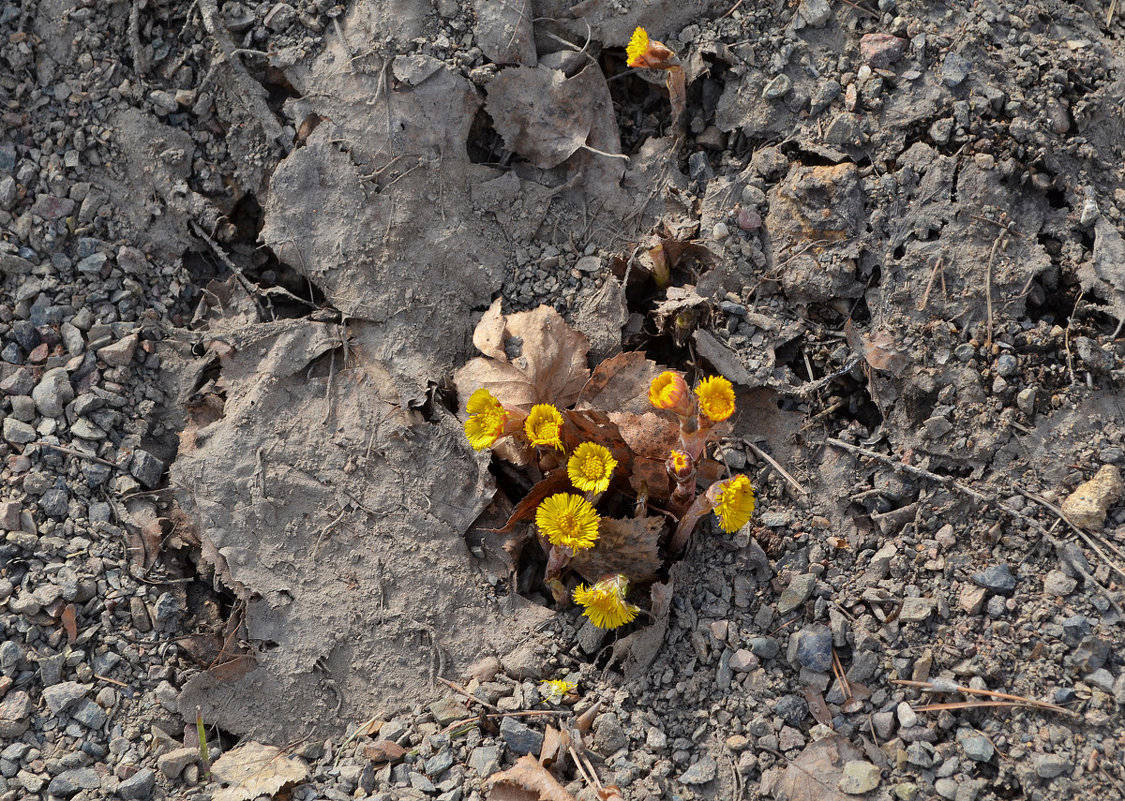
(814, 774)
(253, 769)
(626, 546)
(542, 115)
(527, 780)
(621, 384)
(651, 437)
(555, 481)
(537, 359)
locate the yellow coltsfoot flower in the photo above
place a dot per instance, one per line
(716, 398)
(554, 690)
(568, 520)
(646, 53)
(605, 602)
(486, 423)
(590, 467)
(735, 504)
(669, 391)
(543, 426)
(680, 464)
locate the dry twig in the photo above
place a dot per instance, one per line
(999, 698)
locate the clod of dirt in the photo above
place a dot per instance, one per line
(815, 215)
(1086, 507)
(1103, 274)
(252, 769)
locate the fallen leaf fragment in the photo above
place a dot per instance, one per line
(541, 114)
(621, 384)
(69, 620)
(527, 780)
(816, 772)
(629, 547)
(252, 769)
(877, 348)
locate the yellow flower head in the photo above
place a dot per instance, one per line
(735, 504)
(591, 467)
(544, 426)
(669, 391)
(716, 398)
(647, 53)
(553, 690)
(567, 519)
(486, 424)
(605, 602)
(680, 464)
(637, 46)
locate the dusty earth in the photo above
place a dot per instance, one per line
(244, 250)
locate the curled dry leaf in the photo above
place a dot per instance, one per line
(651, 437)
(252, 769)
(69, 619)
(555, 481)
(627, 546)
(527, 780)
(536, 358)
(541, 114)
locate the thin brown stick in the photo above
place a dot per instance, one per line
(930, 284)
(1008, 698)
(774, 464)
(528, 713)
(1076, 529)
(73, 452)
(457, 688)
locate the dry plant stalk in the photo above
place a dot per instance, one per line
(645, 53)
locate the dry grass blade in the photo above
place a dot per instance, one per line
(981, 704)
(457, 688)
(1002, 699)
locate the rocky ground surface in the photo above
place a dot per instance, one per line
(948, 178)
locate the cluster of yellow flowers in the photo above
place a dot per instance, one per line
(569, 520)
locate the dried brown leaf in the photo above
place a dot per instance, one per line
(651, 437)
(636, 651)
(252, 769)
(817, 707)
(546, 361)
(527, 780)
(815, 773)
(488, 336)
(625, 546)
(557, 481)
(69, 620)
(621, 384)
(555, 744)
(542, 115)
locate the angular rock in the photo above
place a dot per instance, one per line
(10, 515)
(915, 610)
(139, 786)
(485, 759)
(975, 746)
(800, 589)
(447, 710)
(998, 579)
(609, 736)
(172, 763)
(701, 772)
(61, 697)
(812, 647)
(859, 777)
(815, 12)
(520, 738)
(71, 782)
(1048, 766)
(742, 661)
(147, 469)
(880, 50)
(120, 353)
(53, 392)
(18, 432)
(955, 69)
(15, 714)
(1059, 584)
